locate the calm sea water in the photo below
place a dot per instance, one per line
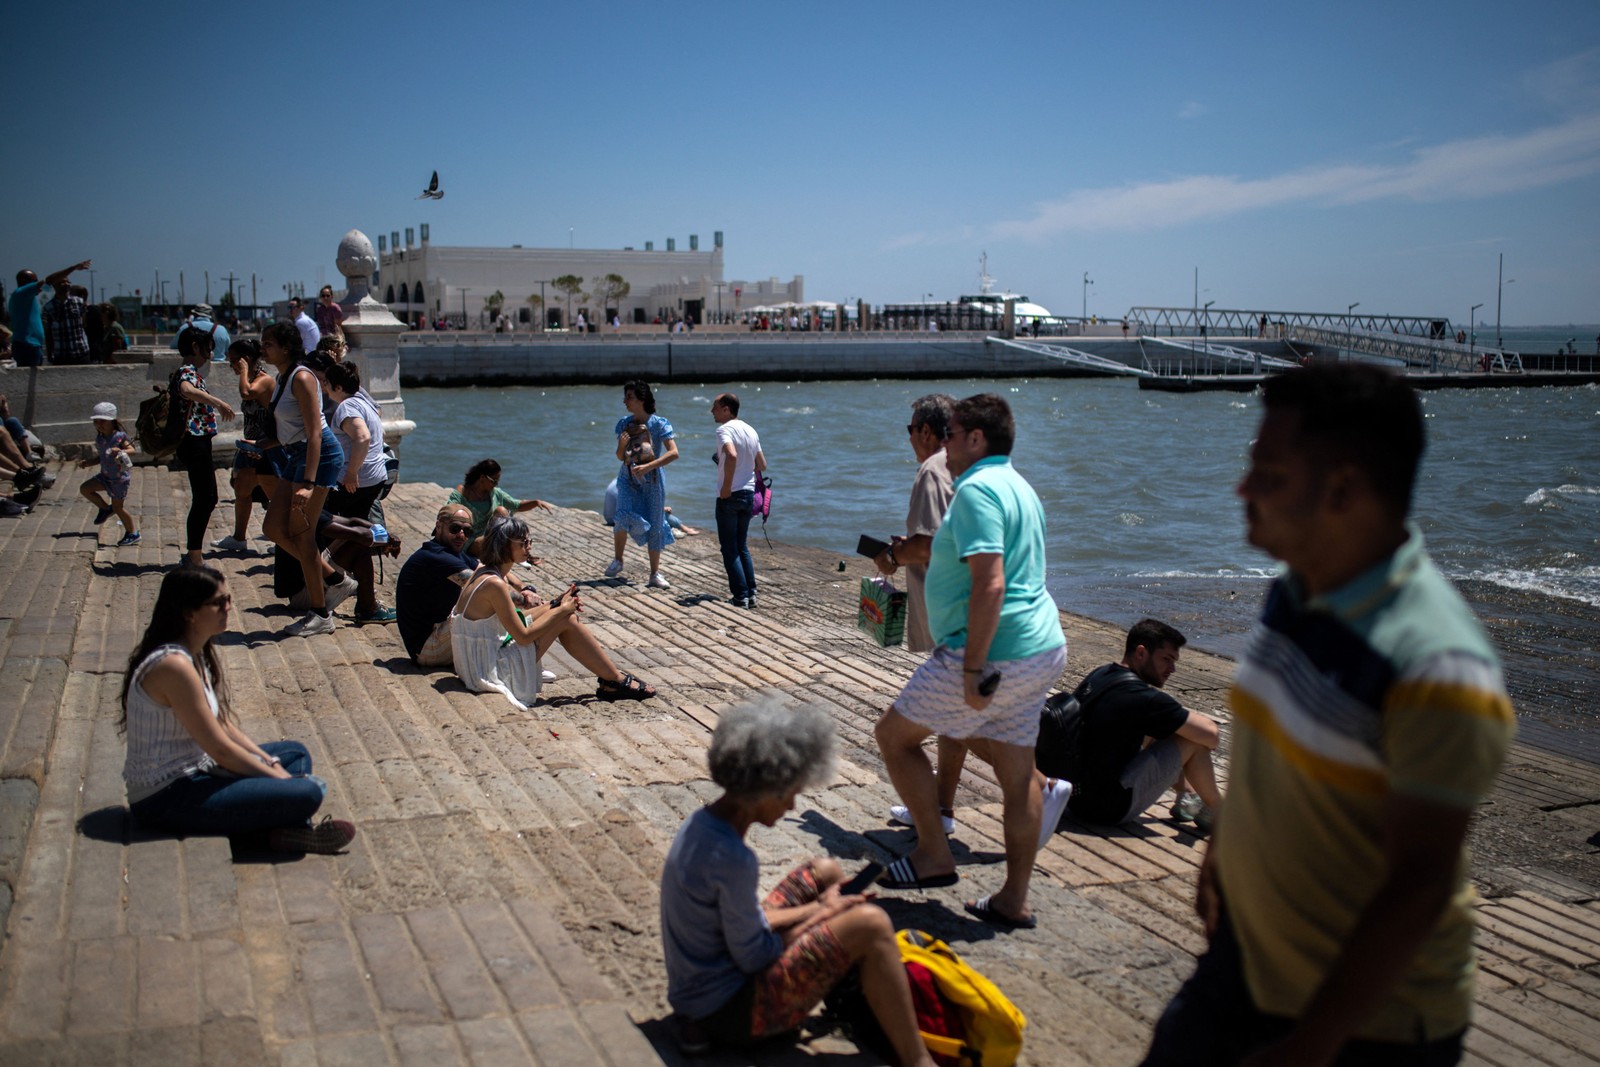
(1138, 486)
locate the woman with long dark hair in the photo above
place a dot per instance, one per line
(190, 769)
(200, 427)
(249, 468)
(310, 461)
(641, 484)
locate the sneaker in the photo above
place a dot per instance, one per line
(326, 837)
(547, 676)
(613, 568)
(657, 581)
(691, 1037)
(339, 592)
(48, 481)
(901, 815)
(311, 624)
(1056, 795)
(128, 540)
(1204, 820)
(24, 479)
(1186, 807)
(232, 544)
(749, 601)
(102, 515)
(26, 497)
(377, 614)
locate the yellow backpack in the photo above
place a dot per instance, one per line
(989, 1032)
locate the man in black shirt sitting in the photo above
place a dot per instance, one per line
(1121, 741)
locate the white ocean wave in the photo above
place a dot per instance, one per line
(1247, 573)
(1128, 518)
(1581, 584)
(1540, 497)
(804, 410)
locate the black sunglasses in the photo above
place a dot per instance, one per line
(459, 527)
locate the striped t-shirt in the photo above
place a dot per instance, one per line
(1386, 684)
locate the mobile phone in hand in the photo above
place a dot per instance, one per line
(863, 879)
(989, 682)
(871, 547)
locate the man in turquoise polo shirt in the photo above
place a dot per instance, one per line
(1000, 650)
(27, 324)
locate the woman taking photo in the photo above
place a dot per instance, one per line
(359, 430)
(497, 647)
(255, 393)
(642, 487)
(741, 968)
(190, 769)
(309, 462)
(200, 427)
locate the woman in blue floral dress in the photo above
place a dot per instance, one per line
(641, 484)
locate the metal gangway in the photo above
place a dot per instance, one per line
(1436, 355)
(1230, 356)
(1075, 357)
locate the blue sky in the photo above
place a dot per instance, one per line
(1301, 159)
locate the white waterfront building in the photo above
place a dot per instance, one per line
(421, 282)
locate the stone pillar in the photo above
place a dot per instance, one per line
(374, 336)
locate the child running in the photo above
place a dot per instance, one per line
(116, 472)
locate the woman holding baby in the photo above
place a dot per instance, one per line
(644, 446)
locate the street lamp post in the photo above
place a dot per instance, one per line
(1087, 281)
(1472, 325)
(464, 308)
(1349, 309)
(544, 316)
(1205, 333)
(1501, 281)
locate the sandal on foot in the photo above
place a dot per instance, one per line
(992, 915)
(629, 688)
(902, 874)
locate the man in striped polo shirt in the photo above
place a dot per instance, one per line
(1370, 719)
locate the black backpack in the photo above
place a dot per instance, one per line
(1059, 750)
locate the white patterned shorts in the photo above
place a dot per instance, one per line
(935, 697)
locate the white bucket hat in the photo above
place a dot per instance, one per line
(104, 410)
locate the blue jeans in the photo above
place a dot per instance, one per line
(1212, 1020)
(18, 434)
(733, 530)
(219, 803)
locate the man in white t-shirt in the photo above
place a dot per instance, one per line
(739, 460)
(310, 334)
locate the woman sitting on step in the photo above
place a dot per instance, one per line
(741, 967)
(190, 769)
(497, 646)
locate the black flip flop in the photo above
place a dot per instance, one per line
(902, 874)
(989, 914)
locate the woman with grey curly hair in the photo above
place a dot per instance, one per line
(497, 645)
(741, 968)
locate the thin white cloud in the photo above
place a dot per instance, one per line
(1459, 170)
(1192, 109)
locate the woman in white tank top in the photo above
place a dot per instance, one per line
(497, 647)
(190, 769)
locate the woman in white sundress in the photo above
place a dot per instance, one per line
(497, 646)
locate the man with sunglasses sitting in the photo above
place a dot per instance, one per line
(429, 584)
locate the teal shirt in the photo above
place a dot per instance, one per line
(993, 511)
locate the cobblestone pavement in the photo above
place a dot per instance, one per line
(499, 904)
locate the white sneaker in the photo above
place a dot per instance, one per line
(232, 544)
(339, 592)
(311, 624)
(1185, 807)
(657, 581)
(613, 568)
(547, 676)
(1056, 795)
(901, 814)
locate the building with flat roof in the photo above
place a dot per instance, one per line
(423, 282)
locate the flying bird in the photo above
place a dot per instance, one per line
(432, 192)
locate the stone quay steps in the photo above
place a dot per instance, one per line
(499, 904)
